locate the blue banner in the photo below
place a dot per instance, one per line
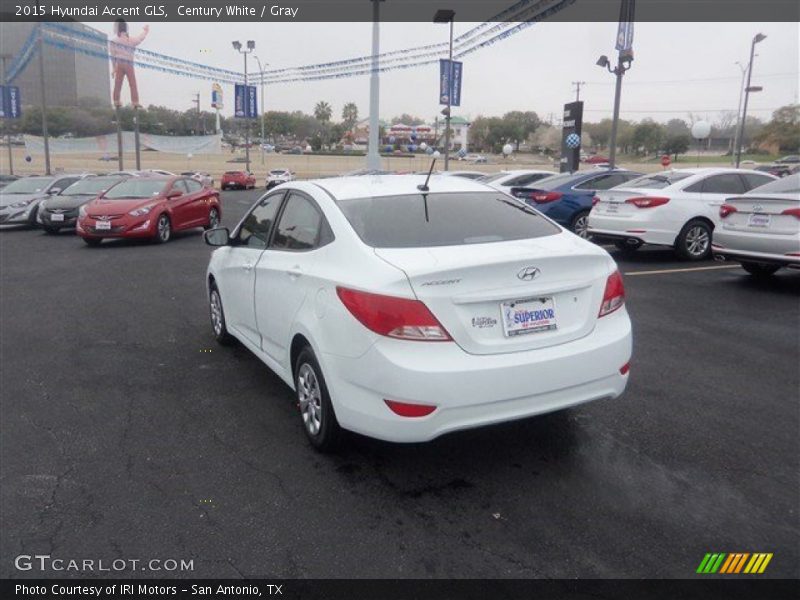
(245, 101)
(10, 105)
(447, 88)
(625, 28)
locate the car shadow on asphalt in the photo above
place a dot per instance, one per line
(176, 238)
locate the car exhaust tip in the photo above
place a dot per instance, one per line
(632, 242)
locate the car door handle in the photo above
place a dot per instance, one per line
(294, 272)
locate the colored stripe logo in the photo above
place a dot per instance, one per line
(734, 563)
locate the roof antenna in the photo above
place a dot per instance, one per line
(423, 187)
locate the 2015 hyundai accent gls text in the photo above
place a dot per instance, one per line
(404, 311)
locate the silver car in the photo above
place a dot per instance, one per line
(19, 200)
(761, 229)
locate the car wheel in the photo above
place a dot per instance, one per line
(218, 318)
(694, 241)
(314, 402)
(759, 269)
(626, 248)
(580, 225)
(50, 230)
(92, 242)
(163, 229)
(213, 219)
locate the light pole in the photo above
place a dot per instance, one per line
(623, 64)
(44, 101)
(759, 37)
(373, 156)
(263, 105)
(447, 16)
(251, 45)
(743, 69)
(3, 59)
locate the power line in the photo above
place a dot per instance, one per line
(699, 80)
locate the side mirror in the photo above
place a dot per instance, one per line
(219, 236)
(54, 191)
(174, 194)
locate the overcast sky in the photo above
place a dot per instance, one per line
(679, 67)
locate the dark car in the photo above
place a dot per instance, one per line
(567, 198)
(60, 211)
(792, 159)
(779, 170)
(6, 179)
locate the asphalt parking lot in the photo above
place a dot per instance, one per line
(125, 432)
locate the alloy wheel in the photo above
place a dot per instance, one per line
(581, 226)
(163, 228)
(309, 397)
(216, 312)
(697, 240)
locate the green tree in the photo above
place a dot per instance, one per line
(349, 115)
(647, 136)
(520, 125)
(323, 112)
(407, 119)
(677, 144)
(783, 129)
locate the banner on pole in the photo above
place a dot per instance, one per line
(216, 96)
(625, 28)
(447, 88)
(245, 101)
(10, 105)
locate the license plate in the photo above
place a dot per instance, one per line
(103, 225)
(530, 315)
(760, 221)
(612, 208)
(57, 217)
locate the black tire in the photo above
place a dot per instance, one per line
(163, 229)
(579, 225)
(213, 219)
(759, 269)
(217, 314)
(92, 242)
(50, 230)
(694, 241)
(314, 404)
(626, 248)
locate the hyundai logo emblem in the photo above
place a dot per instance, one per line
(528, 274)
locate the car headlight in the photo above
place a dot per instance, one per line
(22, 203)
(82, 212)
(141, 211)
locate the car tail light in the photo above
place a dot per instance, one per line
(400, 318)
(595, 201)
(793, 254)
(614, 295)
(545, 197)
(726, 209)
(625, 369)
(406, 409)
(794, 212)
(647, 201)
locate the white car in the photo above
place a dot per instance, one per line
(403, 312)
(465, 174)
(677, 208)
(205, 178)
(278, 176)
(505, 180)
(761, 230)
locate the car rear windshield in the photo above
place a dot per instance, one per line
(136, 188)
(552, 182)
(490, 178)
(277, 172)
(93, 185)
(27, 185)
(234, 172)
(444, 219)
(658, 181)
(788, 185)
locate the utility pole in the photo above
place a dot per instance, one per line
(4, 58)
(447, 16)
(251, 45)
(196, 102)
(578, 85)
(263, 105)
(373, 154)
(759, 37)
(44, 102)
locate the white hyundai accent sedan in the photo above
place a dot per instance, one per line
(403, 311)
(678, 208)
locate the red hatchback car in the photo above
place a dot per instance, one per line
(149, 207)
(238, 180)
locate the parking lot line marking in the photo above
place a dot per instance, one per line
(663, 271)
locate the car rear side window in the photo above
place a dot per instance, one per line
(724, 183)
(443, 219)
(193, 185)
(300, 226)
(753, 180)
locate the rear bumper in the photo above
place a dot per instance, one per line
(646, 231)
(474, 390)
(721, 253)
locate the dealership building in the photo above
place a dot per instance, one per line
(71, 77)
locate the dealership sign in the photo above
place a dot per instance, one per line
(571, 137)
(10, 105)
(216, 96)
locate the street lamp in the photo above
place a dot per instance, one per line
(623, 64)
(263, 106)
(251, 45)
(759, 37)
(447, 16)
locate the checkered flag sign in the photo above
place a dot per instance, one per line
(573, 140)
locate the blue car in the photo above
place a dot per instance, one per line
(567, 198)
